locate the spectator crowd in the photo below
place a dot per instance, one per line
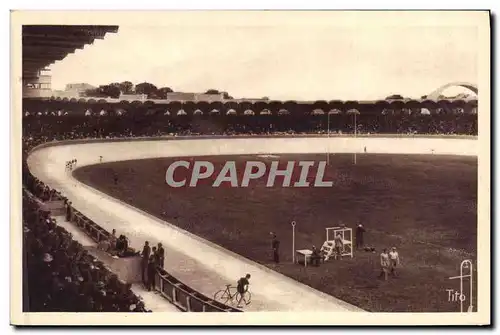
(59, 275)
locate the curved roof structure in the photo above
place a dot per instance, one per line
(45, 44)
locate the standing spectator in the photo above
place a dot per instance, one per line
(394, 259)
(146, 251)
(112, 239)
(69, 211)
(275, 245)
(384, 264)
(154, 253)
(360, 230)
(125, 245)
(151, 272)
(161, 255)
(339, 246)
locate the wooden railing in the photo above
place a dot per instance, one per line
(185, 298)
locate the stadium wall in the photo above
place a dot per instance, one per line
(170, 146)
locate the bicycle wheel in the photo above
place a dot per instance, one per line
(247, 297)
(222, 296)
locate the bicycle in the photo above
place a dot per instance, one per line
(225, 295)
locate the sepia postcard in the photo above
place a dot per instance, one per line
(250, 168)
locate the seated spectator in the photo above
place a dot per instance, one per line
(316, 256)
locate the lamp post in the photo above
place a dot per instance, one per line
(293, 241)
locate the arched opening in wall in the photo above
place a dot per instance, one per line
(425, 111)
(198, 112)
(248, 112)
(265, 111)
(214, 112)
(318, 111)
(88, 112)
(120, 111)
(181, 112)
(231, 112)
(283, 112)
(167, 112)
(334, 111)
(103, 112)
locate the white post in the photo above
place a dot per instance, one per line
(328, 140)
(470, 296)
(293, 241)
(355, 133)
(466, 264)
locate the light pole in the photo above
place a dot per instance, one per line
(293, 241)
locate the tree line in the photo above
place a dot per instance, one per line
(114, 90)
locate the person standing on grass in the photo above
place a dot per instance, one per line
(394, 260)
(339, 246)
(360, 230)
(384, 264)
(275, 245)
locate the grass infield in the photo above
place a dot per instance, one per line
(424, 205)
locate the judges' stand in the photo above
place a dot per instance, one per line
(328, 248)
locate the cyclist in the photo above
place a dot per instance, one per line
(242, 287)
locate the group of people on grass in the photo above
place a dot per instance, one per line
(389, 260)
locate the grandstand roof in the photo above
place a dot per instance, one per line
(46, 44)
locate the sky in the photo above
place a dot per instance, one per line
(280, 61)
